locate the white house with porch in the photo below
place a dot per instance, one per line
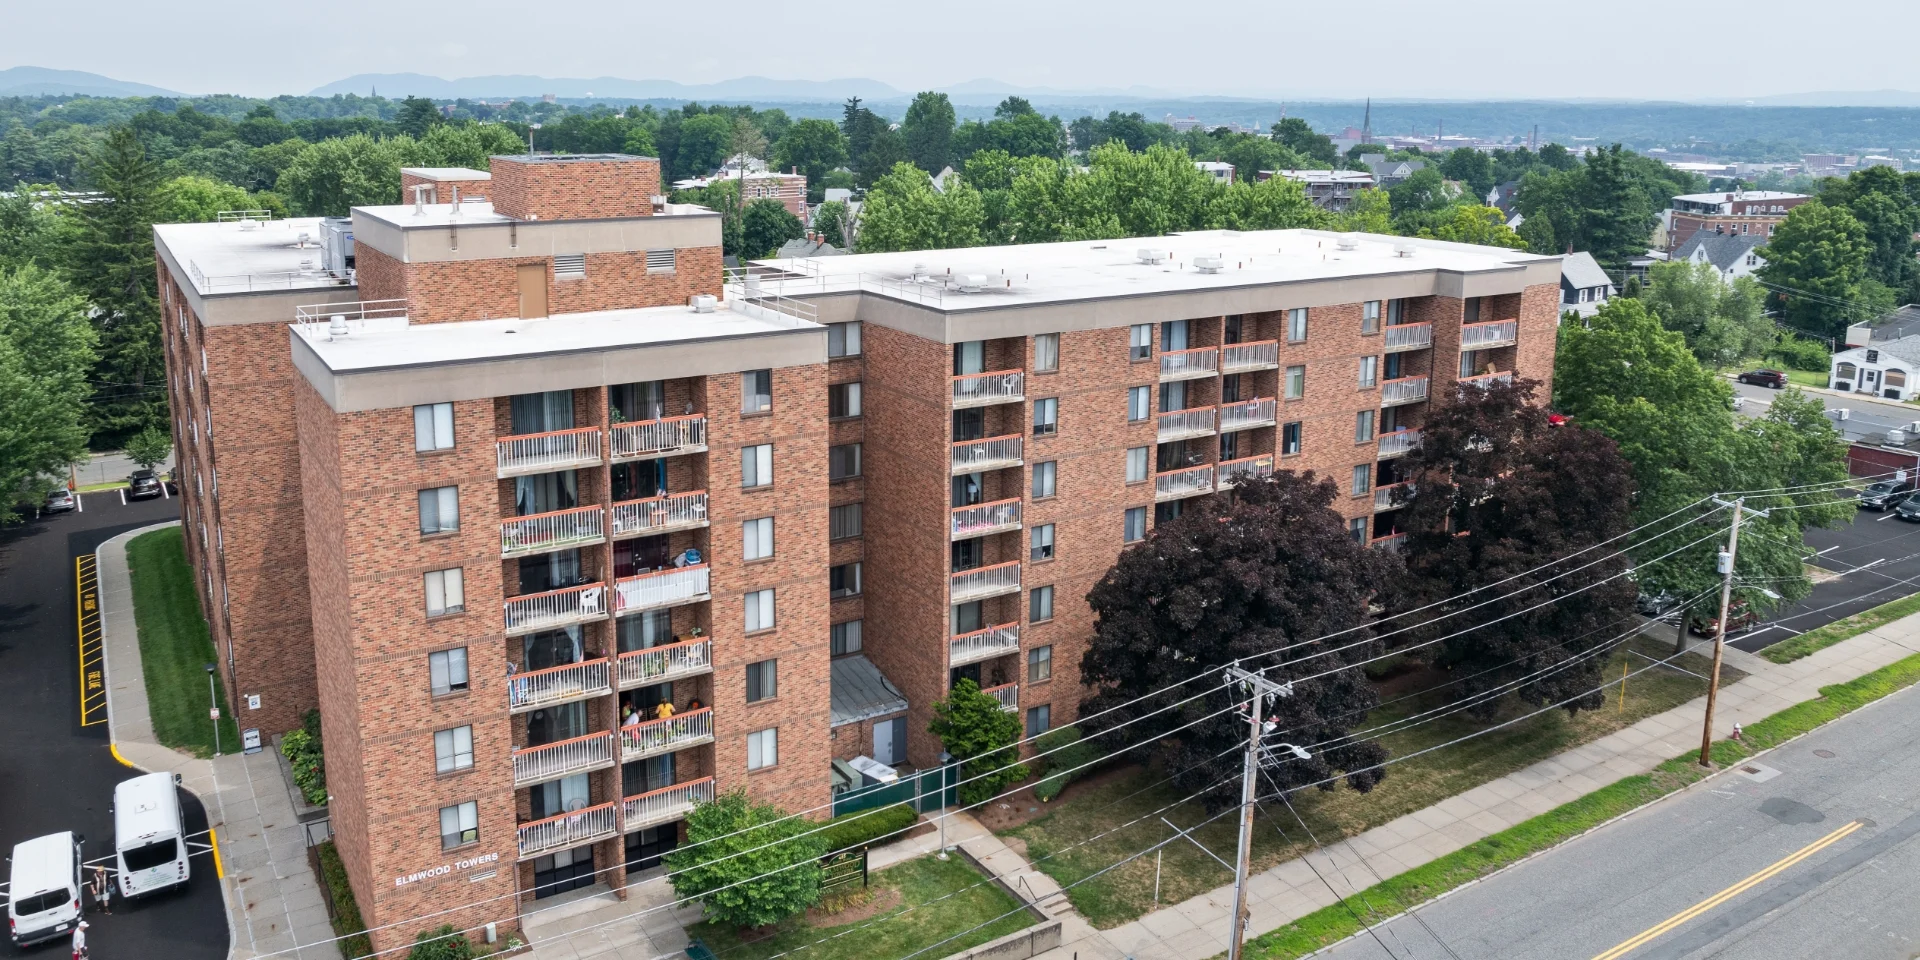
(1886, 368)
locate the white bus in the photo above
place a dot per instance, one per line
(149, 836)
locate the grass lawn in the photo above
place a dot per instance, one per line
(908, 926)
(174, 646)
(1793, 648)
(1807, 378)
(1126, 893)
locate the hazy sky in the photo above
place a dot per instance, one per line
(1277, 48)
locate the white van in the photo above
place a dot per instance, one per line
(43, 888)
(149, 836)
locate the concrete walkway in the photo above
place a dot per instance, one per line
(274, 904)
(590, 923)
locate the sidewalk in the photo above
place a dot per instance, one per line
(273, 900)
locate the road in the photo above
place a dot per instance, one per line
(1611, 894)
(1864, 414)
(56, 775)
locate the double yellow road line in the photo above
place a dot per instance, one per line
(1729, 893)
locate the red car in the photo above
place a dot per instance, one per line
(1764, 378)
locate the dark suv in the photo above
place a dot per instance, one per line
(1764, 378)
(143, 485)
(1884, 495)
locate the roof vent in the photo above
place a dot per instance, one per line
(1150, 255)
(1896, 436)
(1209, 264)
(919, 273)
(972, 282)
(337, 327)
(249, 223)
(703, 303)
(1347, 241)
(1403, 249)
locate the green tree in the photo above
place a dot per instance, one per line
(1425, 190)
(928, 131)
(149, 447)
(199, 200)
(1722, 323)
(831, 220)
(46, 358)
(814, 147)
(982, 739)
(27, 230)
(1472, 223)
(1616, 214)
(1471, 167)
(470, 145)
(110, 260)
(704, 142)
(417, 116)
(902, 212)
(443, 944)
(748, 863)
(331, 177)
(886, 151)
(765, 224)
(1013, 107)
(1816, 261)
(1370, 212)
(1296, 135)
(1272, 204)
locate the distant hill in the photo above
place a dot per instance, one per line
(42, 82)
(742, 88)
(1839, 98)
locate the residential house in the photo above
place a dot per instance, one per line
(1584, 287)
(1732, 255)
(1884, 369)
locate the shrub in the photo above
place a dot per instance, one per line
(1073, 761)
(748, 863)
(346, 912)
(303, 754)
(1798, 354)
(441, 944)
(863, 828)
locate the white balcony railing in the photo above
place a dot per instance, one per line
(1007, 693)
(547, 452)
(1232, 471)
(661, 588)
(1246, 414)
(983, 644)
(1398, 442)
(1391, 496)
(1408, 336)
(569, 830)
(982, 519)
(1244, 357)
(550, 761)
(1190, 364)
(1403, 390)
(1493, 333)
(678, 732)
(1487, 379)
(664, 805)
(989, 454)
(675, 511)
(556, 608)
(558, 530)
(569, 681)
(638, 668)
(645, 439)
(1175, 484)
(1182, 424)
(984, 582)
(981, 389)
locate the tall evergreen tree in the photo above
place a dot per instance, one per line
(928, 131)
(1616, 217)
(111, 262)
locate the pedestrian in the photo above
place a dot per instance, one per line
(80, 941)
(103, 890)
(664, 710)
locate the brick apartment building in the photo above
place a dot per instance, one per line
(512, 481)
(1747, 213)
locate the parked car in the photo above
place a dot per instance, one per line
(61, 500)
(1657, 604)
(1884, 495)
(1909, 510)
(1764, 378)
(1740, 619)
(142, 485)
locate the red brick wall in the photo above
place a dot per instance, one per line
(442, 191)
(490, 289)
(574, 189)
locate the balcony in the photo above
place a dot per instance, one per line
(1190, 364)
(1392, 542)
(1397, 443)
(1392, 496)
(1404, 390)
(547, 452)
(655, 737)
(983, 582)
(661, 588)
(667, 437)
(1232, 471)
(1007, 693)
(551, 761)
(1248, 357)
(982, 519)
(1190, 482)
(1185, 424)
(1486, 336)
(569, 681)
(993, 453)
(559, 530)
(556, 608)
(569, 830)
(1487, 379)
(1246, 414)
(1408, 336)
(644, 518)
(688, 658)
(983, 644)
(664, 805)
(985, 389)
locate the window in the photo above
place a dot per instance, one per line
(763, 680)
(1046, 417)
(1472, 311)
(1290, 439)
(1363, 426)
(1040, 604)
(1042, 543)
(1046, 353)
(569, 266)
(1296, 382)
(844, 638)
(1357, 529)
(759, 610)
(1369, 372)
(1137, 464)
(1173, 335)
(453, 749)
(1136, 525)
(432, 427)
(843, 580)
(659, 261)
(1296, 324)
(1370, 317)
(843, 339)
(446, 592)
(845, 521)
(1039, 663)
(756, 465)
(1140, 342)
(843, 400)
(1396, 312)
(1039, 719)
(757, 538)
(439, 510)
(763, 748)
(459, 824)
(756, 391)
(1044, 476)
(843, 461)
(448, 671)
(1362, 478)
(1139, 403)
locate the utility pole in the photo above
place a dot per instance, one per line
(1259, 689)
(1727, 559)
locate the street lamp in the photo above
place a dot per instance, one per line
(945, 760)
(213, 710)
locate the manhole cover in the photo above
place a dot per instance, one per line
(1749, 769)
(1824, 753)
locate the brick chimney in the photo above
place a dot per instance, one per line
(593, 186)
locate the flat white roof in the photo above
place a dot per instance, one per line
(477, 212)
(447, 173)
(1310, 176)
(1722, 197)
(236, 258)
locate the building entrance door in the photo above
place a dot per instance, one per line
(563, 871)
(646, 847)
(533, 290)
